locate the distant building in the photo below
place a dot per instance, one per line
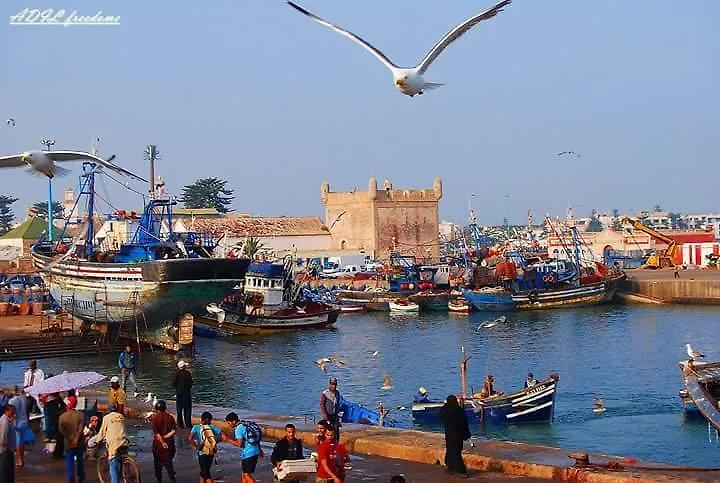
(383, 220)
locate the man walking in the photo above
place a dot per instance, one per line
(71, 427)
(128, 369)
(247, 436)
(183, 395)
(330, 401)
(7, 445)
(33, 375)
(288, 448)
(20, 405)
(163, 447)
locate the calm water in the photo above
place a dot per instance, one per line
(628, 355)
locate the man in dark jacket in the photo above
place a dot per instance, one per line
(128, 369)
(183, 395)
(288, 448)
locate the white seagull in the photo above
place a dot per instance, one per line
(217, 310)
(409, 80)
(694, 355)
(44, 162)
(11, 122)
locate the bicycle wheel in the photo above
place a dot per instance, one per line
(103, 469)
(130, 471)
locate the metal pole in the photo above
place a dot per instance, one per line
(48, 143)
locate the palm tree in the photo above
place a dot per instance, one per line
(252, 246)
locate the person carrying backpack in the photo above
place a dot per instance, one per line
(205, 437)
(248, 436)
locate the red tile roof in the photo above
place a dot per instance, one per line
(262, 226)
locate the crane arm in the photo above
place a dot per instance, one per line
(653, 233)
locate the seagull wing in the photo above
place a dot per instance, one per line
(13, 161)
(383, 58)
(457, 32)
(83, 156)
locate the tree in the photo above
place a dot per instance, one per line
(207, 193)
(40, 209)
(252, 246)
(6, 214)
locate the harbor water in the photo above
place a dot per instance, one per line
(627, 355)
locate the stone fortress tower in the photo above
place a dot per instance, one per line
(378, 219)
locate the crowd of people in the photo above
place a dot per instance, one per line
(76, 435)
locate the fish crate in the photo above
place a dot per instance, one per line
(295, 469)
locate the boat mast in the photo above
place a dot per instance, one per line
(89, 172)
(463, 371)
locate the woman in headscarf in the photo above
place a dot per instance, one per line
(456, 431)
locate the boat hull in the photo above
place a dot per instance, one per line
(411, 307)
(433, 301)
(164, 289)
(532, 405)
(698, 377)
(585, 295)
(238, 323)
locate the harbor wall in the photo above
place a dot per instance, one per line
(677, 291)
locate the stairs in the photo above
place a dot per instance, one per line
(43, 347)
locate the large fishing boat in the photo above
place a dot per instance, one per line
(156, 275)
(268, 302)
(547, 284)
(701, 393)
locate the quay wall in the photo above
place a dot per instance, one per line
(509, 458)
(677, 291)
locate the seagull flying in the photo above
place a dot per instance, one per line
(694, 355)
(321, 363)
(11, 122)
(44, 162)
(215, 309)
(573, 153)
(409, 80)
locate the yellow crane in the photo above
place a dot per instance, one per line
(661, 258)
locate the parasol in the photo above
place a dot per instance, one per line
(65, 382)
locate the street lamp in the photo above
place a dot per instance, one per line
(152, 154)
(48, 143)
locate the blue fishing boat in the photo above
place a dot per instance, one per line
(535, 404)
(358, 414)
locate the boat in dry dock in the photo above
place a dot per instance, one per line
(268, 302)
(156, 274)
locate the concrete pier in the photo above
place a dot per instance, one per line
(692, 287)
(486, 457)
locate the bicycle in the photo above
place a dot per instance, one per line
(129, 471)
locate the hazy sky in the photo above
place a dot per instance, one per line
(256, 93)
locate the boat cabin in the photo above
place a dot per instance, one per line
(264, 284)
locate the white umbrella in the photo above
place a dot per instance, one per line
(65, 382)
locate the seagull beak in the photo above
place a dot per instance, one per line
(400, 83)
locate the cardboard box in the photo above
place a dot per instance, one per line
(295, 469)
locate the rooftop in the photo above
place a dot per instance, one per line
(262, 226)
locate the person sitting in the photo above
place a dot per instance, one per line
(488, 389)
(530, 381)
(422, 396)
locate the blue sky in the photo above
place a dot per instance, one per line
(253, 92)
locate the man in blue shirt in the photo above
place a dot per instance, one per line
(126, 363)
(7, 444)
(249, 440)
(205, 437)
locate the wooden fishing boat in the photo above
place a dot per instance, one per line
(401, 305)
(268, 303)
(431, 300)
(349, 309)
(702, 389)
(535, 404)
(459, 306)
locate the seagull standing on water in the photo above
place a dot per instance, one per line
(694, 355)
(410, 80)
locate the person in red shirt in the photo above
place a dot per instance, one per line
(329, 471)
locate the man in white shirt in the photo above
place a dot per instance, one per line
(32, 376)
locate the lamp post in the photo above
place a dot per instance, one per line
(48, 143)
(152, 154)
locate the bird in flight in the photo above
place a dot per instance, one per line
(572, 153)
(11, 122)
(410, 81)
(43, 162)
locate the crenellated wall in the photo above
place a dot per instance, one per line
(375, 219)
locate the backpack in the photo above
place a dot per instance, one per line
(253, 432)
(208, 441)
